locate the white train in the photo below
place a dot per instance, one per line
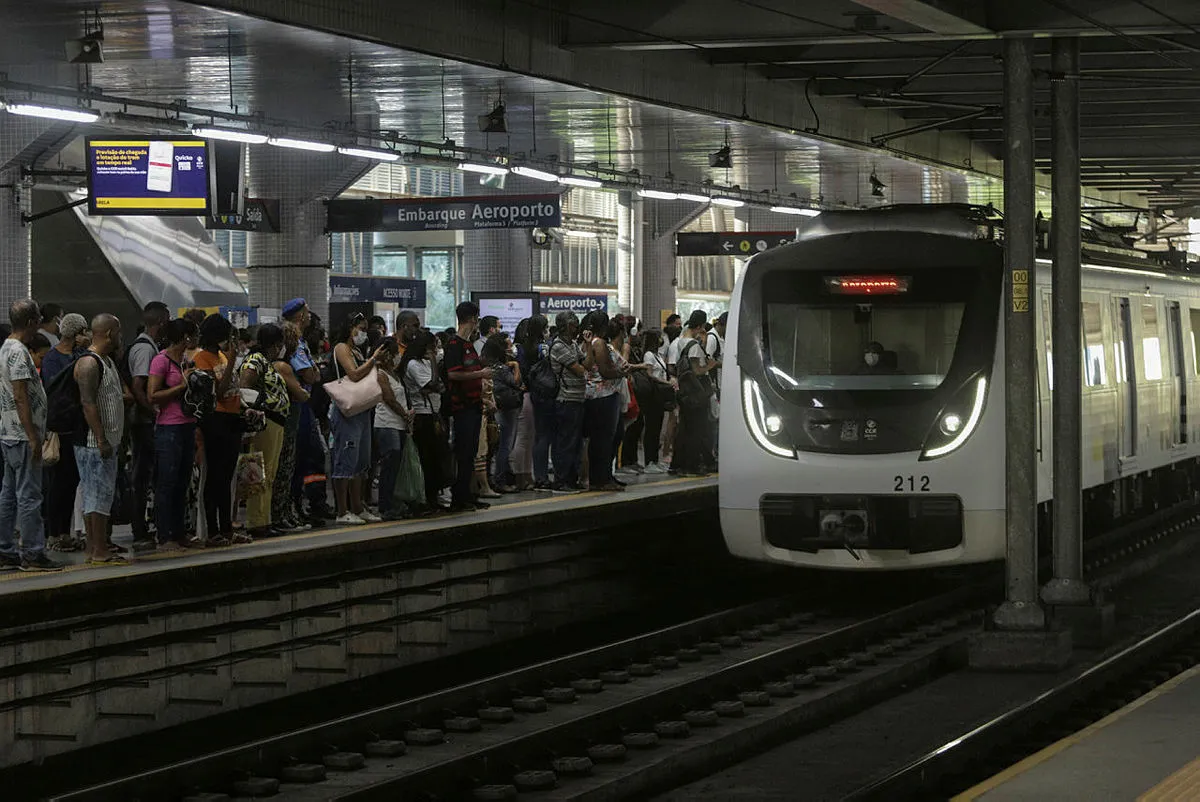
(831, 462)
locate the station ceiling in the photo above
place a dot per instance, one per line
(931, 62)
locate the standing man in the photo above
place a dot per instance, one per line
(22, 428)
(141, 435)
(102, 397)
(309, 450)
(567, 362)
(52, 315)
(466, 374)
(488, 326)
(407, 326)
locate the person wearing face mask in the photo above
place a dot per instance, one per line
(258, 373)
(351, 435)
(872, 361)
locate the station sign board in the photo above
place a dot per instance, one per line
(444, 214)
(147, 176)
(259, 214)
(743, 244)
(409, 293)
(579, 303)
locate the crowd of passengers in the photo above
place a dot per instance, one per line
(173, 430)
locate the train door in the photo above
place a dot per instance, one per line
(1178, 373)
(1126, 378)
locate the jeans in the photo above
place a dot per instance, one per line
(506, 419)
(351, 443)
(391, 453)
(568, 435)
(601, 416)
(308, 480)
(222, 442)
(543, 437)
(653, 417)
(21, 502)
(141, 441)
(174, 453)
(467, 424)
(97, 480)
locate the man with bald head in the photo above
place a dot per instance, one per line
(103, 397)
(22, 429)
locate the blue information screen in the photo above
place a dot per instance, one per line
(147, 176)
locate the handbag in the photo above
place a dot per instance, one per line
(51, 449)
(352, 397)
(633, 410)
(410, 484)
(251, 475)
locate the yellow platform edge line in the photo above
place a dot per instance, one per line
(1183, 784)
(1017, 769)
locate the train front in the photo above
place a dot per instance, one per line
(862, 403)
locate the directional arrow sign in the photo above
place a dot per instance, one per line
(730, 243)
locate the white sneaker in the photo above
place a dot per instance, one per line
(655, 468)
(370, 517)
(349, 519)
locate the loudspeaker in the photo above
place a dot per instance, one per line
(87, 50)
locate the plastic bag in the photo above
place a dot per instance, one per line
(410, 483)
(251, 475)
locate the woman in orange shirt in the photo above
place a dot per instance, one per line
(222, 430)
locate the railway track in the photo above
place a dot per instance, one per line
(626, 718)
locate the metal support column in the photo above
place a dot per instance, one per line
(1067, 586)
(1021, 610)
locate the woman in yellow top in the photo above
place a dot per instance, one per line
(222, 430)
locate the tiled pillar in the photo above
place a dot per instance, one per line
(629, 214)
(14, 240)
(295, 262)
(663, 219)
(499, 260)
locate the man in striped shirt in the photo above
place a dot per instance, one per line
(103, 397)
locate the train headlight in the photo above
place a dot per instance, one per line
(764, 423)
(951, 425)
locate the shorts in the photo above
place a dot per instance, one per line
(97, 479)
(351, 443)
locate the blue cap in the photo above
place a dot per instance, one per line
(293, 306)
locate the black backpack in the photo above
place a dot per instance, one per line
(507, 395)
(64, 410)
(543, 381)
(200, 398)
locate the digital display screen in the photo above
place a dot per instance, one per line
(509, 308)
(867, 285)
(147, 176)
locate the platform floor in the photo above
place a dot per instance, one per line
(1147, 751)
(509, 508)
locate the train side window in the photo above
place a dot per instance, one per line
(1194, 319)
(1151, 343)
(1094, 372)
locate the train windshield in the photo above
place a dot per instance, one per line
(842, 343)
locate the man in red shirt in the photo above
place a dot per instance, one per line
(466, 373)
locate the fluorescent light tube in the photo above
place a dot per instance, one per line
(378, 154)
(488, 169)
(301, 144)
(658, 193)
(692, 196)
(796, 210)
(230, 134)
(70, 115)
(576, 181)
(530, 172)
(732, 203)
(581, 234)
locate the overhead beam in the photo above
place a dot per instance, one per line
(937, 16)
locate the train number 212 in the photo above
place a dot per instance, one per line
(913, 484)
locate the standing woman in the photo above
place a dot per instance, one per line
(174, 434)
(654, 406)
(258, 373)
(531, 450)
(351, 436)
(423, 392)
(509, 398)
(283, 506)
(222, 430)
(392, 421)
(602, 404)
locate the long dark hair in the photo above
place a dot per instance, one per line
(214, 331)
(420, 344)
(175, 331)
(534, 335)
(269, 336)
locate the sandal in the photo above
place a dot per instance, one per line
(63, 543)
(217, 542)
(111, 560)
(116, 549)
(242, 537)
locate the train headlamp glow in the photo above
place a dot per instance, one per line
(762, 421)
(964, 430)
(950, 424)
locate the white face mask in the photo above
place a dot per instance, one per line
(360, 337)
(871, 358)
(439, 354)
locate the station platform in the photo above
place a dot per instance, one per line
(1147, 751)
(28, 598)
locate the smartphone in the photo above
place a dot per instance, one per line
(162, 159)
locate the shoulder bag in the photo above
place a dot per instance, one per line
(353, 398)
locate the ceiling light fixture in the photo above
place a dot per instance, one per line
(796, 210)
(531, 172)
(63, 113)
(576, 181)
(692, 196)
(658, 194)
(378, 154)
(580, 234)
(732, 203)
(481, 167)
(301, 144)
(229, 134)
